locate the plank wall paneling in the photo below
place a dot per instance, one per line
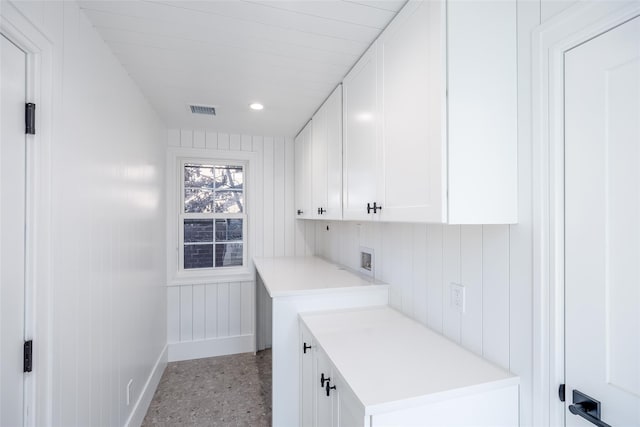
(218, 318)
(107, 318)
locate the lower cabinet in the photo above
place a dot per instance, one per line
(325, 398)
(394, 382)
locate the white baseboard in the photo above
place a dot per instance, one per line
(143, 402)
(210, 348)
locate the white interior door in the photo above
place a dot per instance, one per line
(602, 227)
(12, 232)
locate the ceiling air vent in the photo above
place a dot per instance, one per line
(202, 109)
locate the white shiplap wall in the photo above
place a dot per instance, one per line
(420, 262)
(107, 296)
(218, 318)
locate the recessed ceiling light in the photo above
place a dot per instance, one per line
(256, 106)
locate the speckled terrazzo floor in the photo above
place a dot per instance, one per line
(218, 391)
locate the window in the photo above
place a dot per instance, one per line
(212, 219)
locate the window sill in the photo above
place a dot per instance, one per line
(202, 278)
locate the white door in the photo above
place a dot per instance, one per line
(12, 232)
(602, 227)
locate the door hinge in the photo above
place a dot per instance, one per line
(28, 356)
(30, 118)
(561, 392)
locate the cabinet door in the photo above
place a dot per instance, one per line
(326, 159)
(319, 150)
(303, 173)
(349, 411)
(323, 408)
(334, 155)
(361, 117)
(307, 377)
(412, 86)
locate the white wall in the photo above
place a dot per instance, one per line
(219, 317)
(107, 183)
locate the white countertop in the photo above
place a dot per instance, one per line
(286, 276)
(391, 361)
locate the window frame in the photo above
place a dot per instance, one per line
(176, 159)
(182, 215)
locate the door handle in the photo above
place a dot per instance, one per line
(587, 408)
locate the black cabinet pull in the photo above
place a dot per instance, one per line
(321, 211)
(587, 408)
(323, 380)
(305, 347)
(328, 389)
(300, 212)
(375, 208)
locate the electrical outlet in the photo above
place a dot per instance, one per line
(129, 386)
(457, 297)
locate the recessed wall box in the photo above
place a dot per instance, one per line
(367, 259)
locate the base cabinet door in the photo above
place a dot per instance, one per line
(323, 407)
(349, 411)
(307, 377)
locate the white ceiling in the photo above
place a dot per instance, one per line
(288, 55)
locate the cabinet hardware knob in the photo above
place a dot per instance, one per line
(376, 208)
(300, 212)
(324, 379)
(369, 208)
(321, 211)
(305, 347)
(329, 388)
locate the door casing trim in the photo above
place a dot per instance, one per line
(38, 284)
(551, 40)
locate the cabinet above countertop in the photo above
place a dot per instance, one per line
(430, 121)
(286, 276)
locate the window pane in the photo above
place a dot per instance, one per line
(229, 201)
(228, 254)
(228, 230)
(198, 200)
(198, 188)
(198, 230)
(229, 178)
(229, 182)
(198, 256)
(198, 176)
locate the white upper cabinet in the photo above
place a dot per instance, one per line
(431, 117)
(326, 159)
(361, 139)
(302, 148)
(412, 92)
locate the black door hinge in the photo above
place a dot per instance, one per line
(561, 392)
(30, 118)
(28, 356)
